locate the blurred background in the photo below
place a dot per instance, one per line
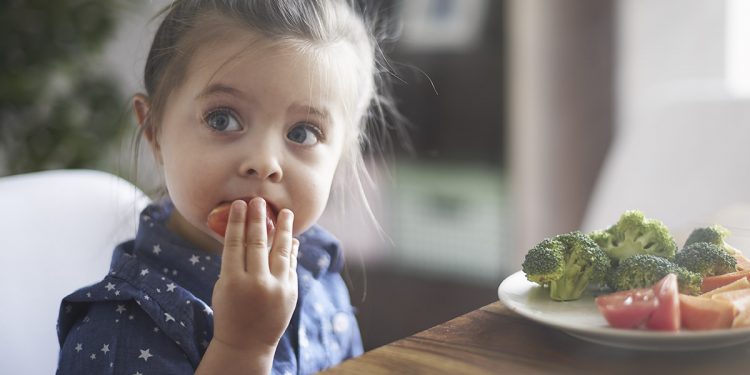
(529, 118)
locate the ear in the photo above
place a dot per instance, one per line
(141, 109)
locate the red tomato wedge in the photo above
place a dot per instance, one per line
(666, 317)
(700, 313)
(712, 282)
(219, 217)
(628, 308)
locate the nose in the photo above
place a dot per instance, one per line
(263, 163)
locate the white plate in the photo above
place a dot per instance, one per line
(582, 319)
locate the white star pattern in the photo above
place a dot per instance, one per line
(110, 286)
(105, 348)
(168, 317)
(117, 292)
(194, 259)
(137, 373)
(170, 287)
(120, 309)
(93, 356)
(88, 294)
(208, 310)
(79, 347)
(157, 249)
(144, 272)
(146, 354)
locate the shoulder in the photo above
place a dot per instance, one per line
(123, 307)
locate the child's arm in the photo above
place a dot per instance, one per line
(255, 296)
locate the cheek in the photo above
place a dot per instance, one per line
(191, 178)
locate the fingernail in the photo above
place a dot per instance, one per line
(289, 218)
(237, 205)
(260, 205)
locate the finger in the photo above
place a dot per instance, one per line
(256, 257)
(282, 244)
(293, 258)
(233, 256)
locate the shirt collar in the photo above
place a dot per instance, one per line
(156, 245)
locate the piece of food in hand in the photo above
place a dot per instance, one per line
(634, 234)
(643, 271)
(712, 282)
(629, 308)
(699, 313)
(666, 316)
(219, 217)
(742, 283)
(706, 259)
(567, 264)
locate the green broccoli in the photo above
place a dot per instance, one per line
(715, 234)
(567, 263)
(644, 270)
(635, 234)
(706, 259)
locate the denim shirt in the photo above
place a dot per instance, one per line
(152, 313)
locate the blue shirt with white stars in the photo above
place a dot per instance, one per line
(152, 315)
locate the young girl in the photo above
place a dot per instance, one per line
(251, 107)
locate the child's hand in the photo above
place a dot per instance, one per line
(255, 296)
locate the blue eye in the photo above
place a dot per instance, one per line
(304, 134)
(222, 120)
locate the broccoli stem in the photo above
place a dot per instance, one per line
(573, 282)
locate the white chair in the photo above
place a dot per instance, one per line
(57, 232)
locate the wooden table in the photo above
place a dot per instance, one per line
(495, 340)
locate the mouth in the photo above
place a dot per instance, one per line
(219, 217)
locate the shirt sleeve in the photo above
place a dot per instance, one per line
(118, 337)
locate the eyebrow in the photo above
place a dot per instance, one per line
(220, 88)
(303, 108)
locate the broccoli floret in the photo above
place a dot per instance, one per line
(545, 262)
(706, 259)
(567, 263)
(643, 271)
(715, 234)
(635, 234)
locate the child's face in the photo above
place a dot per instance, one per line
(260, 121)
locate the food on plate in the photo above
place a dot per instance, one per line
(706, 259)
(701, 313)
(567, 264)
(712, 282)
(628, 308)
(634, 234)
(742, 283)
(666, 317)
(654, 286)
(643, 271)
(717, 235)
(740, 300)
(654, 308)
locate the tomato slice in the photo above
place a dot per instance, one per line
(666, 317)
(628, 308)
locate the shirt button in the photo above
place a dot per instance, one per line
(340, 322)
